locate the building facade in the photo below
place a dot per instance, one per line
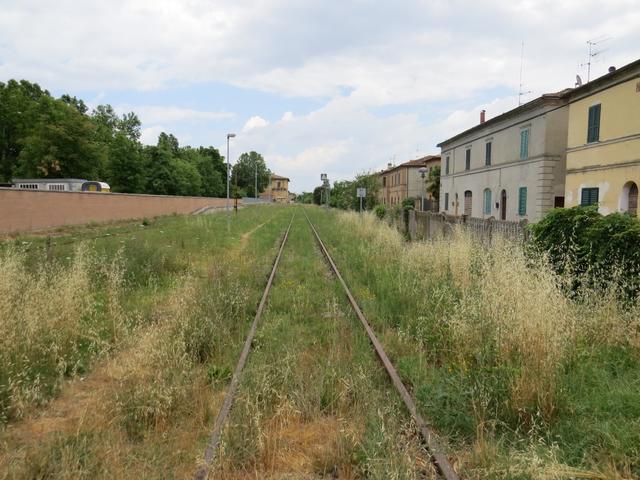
(277, 191)
(405, 180)
(511, 167)
(603, 146)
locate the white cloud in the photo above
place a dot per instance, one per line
(433, 64)
(254, 122)
(155, 114)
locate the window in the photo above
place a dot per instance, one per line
(522, 201)
(590, 196)
(446, 166)
(487, 201)
(384, 181)
(30, 186)
(467, 159)
(58, 187)
(446, 201)
(524, 144)
(593, 130)
(487, 153)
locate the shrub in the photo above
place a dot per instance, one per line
(596, 250)
(380, 211)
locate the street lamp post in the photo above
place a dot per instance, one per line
(422, 171)
(229, 135)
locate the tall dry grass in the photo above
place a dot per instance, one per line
(507, 309)
(52, 322)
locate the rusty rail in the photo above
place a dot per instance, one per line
(438, 458)
(214, 439)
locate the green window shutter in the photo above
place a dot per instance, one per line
(524, 144)
(446, 201)
(487, 157)
(522, 201)
(590, 196)
(593, 129)
(446, 166)
(467, 164)
(487, 202)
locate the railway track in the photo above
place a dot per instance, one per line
(429, 438)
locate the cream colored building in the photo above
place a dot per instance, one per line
(511, 167)
(603, 147)
(405, 180)
(277, 191)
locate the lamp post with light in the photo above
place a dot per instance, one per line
(229, 135)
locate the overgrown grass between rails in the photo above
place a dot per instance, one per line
(496, 354)
(314, 401)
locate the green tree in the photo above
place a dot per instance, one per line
(340, 194)
(19, 112)
(186, 178)
(244, 173)
(61, 144)
(126, 168)
(305, 197)
(318, 195)
(208, 169)
(371, 182)
(159, 173)
(433, 182)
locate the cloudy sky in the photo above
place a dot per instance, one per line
(314, 85)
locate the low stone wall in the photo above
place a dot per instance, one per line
(27, 210)
(428, 225)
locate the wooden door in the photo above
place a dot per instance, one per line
(503, 205)
(468, 201)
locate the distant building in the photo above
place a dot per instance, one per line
(405, 180)
(603, 147)
(60, 184)
(511, 167)
(277, 191)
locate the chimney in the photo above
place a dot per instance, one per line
(389, 165)
(612, 69)
(482, 115)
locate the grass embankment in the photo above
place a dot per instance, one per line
(151, 320)
(527, 383)
(314, 401)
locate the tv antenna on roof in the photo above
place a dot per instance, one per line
(594, 53)
(521, 93)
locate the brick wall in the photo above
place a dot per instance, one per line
(24, 210)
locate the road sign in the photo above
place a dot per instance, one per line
(362, 192)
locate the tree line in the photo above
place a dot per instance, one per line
(46, 137)
(343, 193)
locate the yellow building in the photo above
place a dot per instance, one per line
(277, 191)
(603, 145)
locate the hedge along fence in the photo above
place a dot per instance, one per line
(597, 252)
(26, 210)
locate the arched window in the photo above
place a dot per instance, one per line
(629, 199)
